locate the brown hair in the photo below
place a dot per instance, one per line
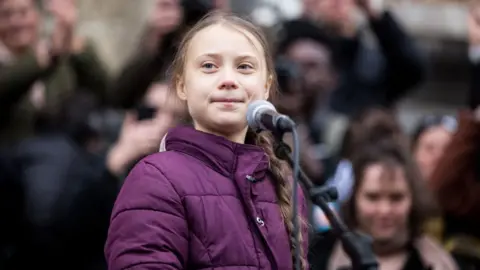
(391, 154)
(278, 168)
(371, 126)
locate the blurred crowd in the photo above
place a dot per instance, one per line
(63, 154)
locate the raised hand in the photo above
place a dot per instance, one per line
(336, 14)
(65, 17)
(137, 139)
(166, 17)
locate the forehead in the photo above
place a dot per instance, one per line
(384, 178)
(435, 133)
(225, 39)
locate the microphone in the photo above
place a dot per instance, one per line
(262, 115)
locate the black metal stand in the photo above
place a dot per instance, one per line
(357, 247)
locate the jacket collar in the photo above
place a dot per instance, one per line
(218, 153)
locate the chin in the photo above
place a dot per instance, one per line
(384, 236)
(230, 124)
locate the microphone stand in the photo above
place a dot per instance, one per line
(357, 246)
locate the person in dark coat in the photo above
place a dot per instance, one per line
(58, 196)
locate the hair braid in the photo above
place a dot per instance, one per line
(283, 189)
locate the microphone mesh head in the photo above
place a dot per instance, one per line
(253, 112)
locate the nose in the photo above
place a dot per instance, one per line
(227, 80)
(384, 207)
(228, 85)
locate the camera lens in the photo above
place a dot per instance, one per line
(286, 71)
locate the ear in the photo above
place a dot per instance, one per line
(181, 93)
(268, 86)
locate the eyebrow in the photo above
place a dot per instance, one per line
(218, 56)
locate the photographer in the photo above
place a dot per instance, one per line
(292, 101)
(369, 75)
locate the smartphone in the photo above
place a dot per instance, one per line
(145, 112)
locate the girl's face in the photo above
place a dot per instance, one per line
(430, 147)
(225, 69)
(383, 202)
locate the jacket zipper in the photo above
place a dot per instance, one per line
(257, 232)
(252, 223)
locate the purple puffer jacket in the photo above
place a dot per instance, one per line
(206, 203)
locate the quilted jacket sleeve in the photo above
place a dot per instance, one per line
(148, 228)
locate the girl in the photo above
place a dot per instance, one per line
(389, 204)
(430, 138)
(217, 198)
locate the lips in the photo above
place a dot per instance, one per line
(227, 100)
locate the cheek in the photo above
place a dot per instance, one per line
(423, 155)
(403, 208)
(443, 145)
(197, 87)
(254, 86)
(365, 210)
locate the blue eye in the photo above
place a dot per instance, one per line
(208, 65)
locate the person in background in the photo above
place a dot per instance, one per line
(60, 195)
(36, 76)
(369, 128)
(351, 76)
(218, 196)
(306, 47)
(455, 183)
(389, 203)
(291, 101)
(368, 76)
(58, 191)
(169, 20)
(430, 138)
(455, 180)
(143, 129)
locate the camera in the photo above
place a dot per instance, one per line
(287, 72)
